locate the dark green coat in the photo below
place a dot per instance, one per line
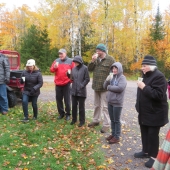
(100, 71)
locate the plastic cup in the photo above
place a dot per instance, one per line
(69, 71)
(56, 64)
(111, 74)
(23, 78)
(95, 56)
(140, 79)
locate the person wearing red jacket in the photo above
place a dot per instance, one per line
(60, 67)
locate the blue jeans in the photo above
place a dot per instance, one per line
(25, 100)
(3, 98)
(114, 113)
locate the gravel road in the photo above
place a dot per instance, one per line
(121, 154)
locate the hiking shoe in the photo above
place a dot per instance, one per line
(60, 117)
(104, 129)
(114, 140)
(34, 118)
(67, 118)
(141, 155)
(4, 113)
(149, 163)
(93, 124)
(25, 120)
(80, 124)
(72, 123)
(109, 137)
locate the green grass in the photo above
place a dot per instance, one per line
(47, 143)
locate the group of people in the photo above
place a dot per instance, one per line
(109, 84)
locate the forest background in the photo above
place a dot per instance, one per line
(129, 28)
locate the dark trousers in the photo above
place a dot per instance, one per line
(150, 139)
(78, 101)
(115, 113)
(25, 100)
(63, 92)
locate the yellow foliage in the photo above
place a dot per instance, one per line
(167, 62)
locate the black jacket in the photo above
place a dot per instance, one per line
(80, 78)
(33, 80)
(151, 103)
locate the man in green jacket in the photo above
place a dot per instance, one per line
(100, 66)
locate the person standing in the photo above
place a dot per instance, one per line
(116, 85)
(80, 77)
(60, 67)
(4, 79)
(100, 66)
(33, 81)
(152, 106)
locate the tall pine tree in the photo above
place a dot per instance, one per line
(157, 34)
(35, 44)
(157, 31)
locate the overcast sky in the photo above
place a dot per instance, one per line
(163, 4)
(17, 3)
(33, 3)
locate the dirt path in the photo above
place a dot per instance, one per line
(121, 155)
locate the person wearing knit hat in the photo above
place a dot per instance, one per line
(101, 47)
(149, 60)
(100, 66)
(152, 107)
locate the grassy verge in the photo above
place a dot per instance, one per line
(132, 77)
(47, 143)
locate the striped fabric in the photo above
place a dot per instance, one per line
(162, 161)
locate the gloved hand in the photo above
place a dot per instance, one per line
(32, 91)
(7, 81)
(109, 77)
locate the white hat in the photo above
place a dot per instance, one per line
(30, 62)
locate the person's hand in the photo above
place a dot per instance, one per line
(7, 81)
(141, 84)
(108, 87)
(21, 81)
(68, 74)
(32, 91)
(109, 77)
(94, 57)
(56, 65)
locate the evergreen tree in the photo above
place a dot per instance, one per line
(157, 31)
(35, 44)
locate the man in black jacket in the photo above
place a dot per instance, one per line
(152, 107)
(4, 78)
